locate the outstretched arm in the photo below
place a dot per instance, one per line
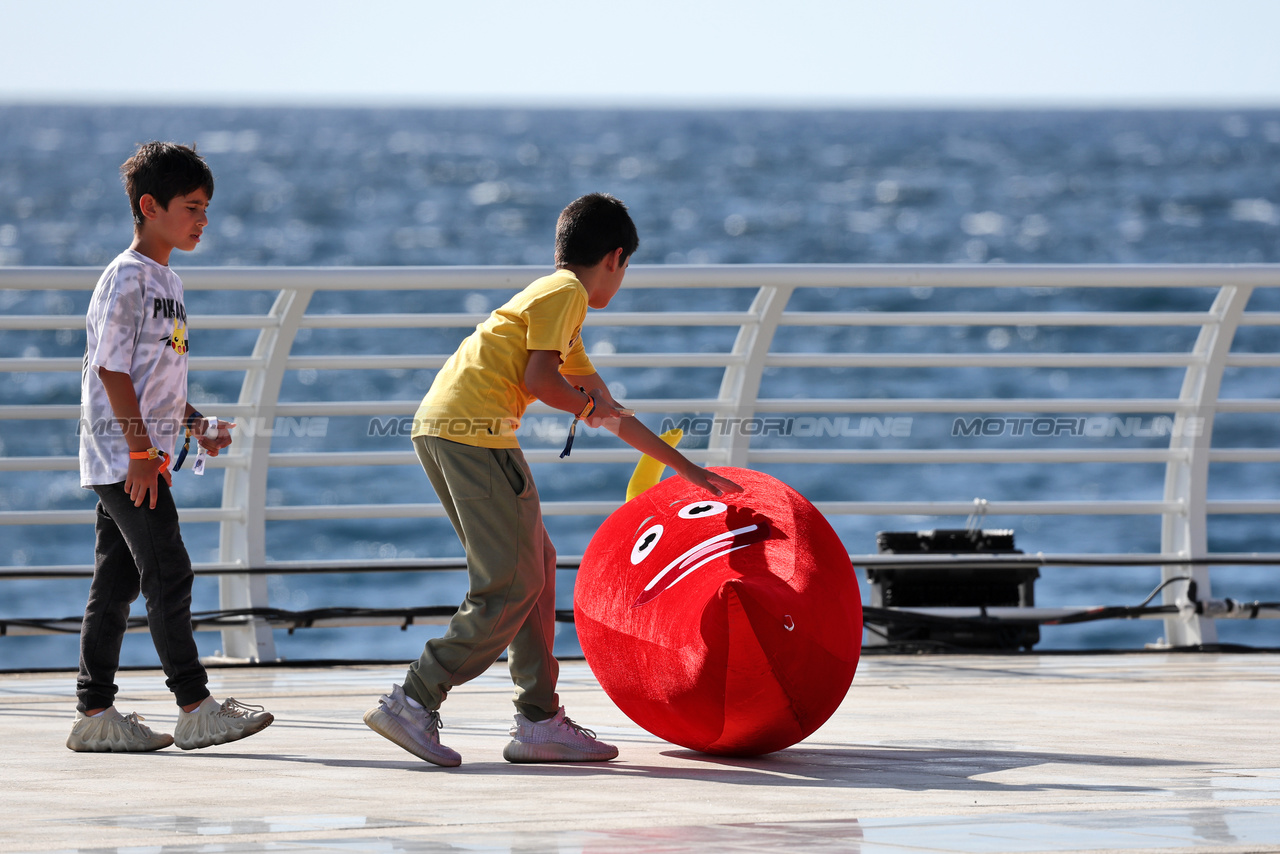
(632, 431)
(608, 414)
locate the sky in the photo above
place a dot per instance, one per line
(683, 53)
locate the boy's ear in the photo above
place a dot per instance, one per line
(614, 260)
(148, 205)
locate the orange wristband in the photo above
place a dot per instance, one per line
(151, 454)
(590, 407)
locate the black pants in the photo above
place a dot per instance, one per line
(138, 550)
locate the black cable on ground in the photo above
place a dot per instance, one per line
(289, 620)
(872, 617)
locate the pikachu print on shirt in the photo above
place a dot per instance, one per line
(178, 340)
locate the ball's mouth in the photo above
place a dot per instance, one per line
(703, 553)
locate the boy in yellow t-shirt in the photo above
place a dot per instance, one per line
(465, 437)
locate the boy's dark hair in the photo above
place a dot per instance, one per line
(164, 170)
(591, 227)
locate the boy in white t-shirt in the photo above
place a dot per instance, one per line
(133, 416)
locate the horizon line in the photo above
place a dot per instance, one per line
(641, 104)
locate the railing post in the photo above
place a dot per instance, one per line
(741, 382)
(244, 541)
(1187, 475)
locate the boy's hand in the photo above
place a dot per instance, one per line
(218, 438)
(708, 480)
(143, 477)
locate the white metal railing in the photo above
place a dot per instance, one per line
(245, 511)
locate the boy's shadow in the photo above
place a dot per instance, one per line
(863, 767)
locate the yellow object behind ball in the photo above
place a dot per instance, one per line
(649, 471)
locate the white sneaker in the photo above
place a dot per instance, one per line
(211, 723)
(556, 739)
(112, 732)
(416, 730)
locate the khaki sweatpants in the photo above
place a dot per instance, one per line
(492, 502)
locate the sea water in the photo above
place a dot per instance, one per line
(442, 187)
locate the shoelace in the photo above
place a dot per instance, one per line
(233, 708)
(134, 721)
(580, 730)
(431, 719)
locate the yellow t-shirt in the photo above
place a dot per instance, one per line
(479, 395)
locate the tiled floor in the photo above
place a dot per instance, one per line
(1136, 753)
(1253, 829)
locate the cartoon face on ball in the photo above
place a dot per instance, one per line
(728, 625)
(650, 550)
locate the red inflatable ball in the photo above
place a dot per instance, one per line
(729, 626)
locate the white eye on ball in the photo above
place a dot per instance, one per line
(702, 509)
(645, 544)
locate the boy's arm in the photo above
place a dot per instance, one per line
(143, 474)
(632, 431)
(543, 376)
(543, 379)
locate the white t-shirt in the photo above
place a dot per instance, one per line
(137, 325)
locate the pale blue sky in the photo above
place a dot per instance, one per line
(648, 52)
